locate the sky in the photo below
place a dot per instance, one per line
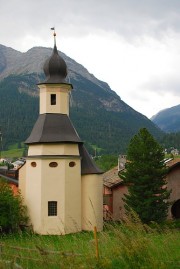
(133, 45)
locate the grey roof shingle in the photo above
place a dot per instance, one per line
(51, 128)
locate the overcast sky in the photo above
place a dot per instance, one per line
(133, 45)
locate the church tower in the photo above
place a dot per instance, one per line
(61, 185)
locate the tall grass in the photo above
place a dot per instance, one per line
(128, 245)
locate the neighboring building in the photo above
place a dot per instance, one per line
(175, 152)
(17, 164)
(11, 177)
(173, 183)
(10, 174)
(114, 190)
(61, 185)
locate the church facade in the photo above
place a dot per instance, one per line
(60, 183)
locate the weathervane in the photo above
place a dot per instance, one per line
(54, 34)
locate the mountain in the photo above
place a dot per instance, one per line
(168, 119)
(102, 119)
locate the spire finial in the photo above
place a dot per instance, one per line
(54, 34)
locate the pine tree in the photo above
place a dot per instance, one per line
(145, 177)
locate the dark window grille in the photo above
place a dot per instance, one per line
(52, 208)
(53, 99)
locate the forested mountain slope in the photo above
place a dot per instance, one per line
(168, 119)
(101, 118)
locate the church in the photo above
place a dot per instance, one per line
(61, 185)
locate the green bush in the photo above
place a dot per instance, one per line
(13, 213)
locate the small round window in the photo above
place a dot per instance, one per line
(72, 164)
(53, 164)
(33, 164)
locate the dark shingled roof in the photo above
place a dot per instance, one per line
(51, 128)
(87, 164)
(111, 178)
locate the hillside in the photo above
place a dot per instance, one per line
(101, 118)
(168, 119)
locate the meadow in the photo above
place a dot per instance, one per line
(14, 151)
(128, 245)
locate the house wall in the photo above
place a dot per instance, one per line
(173, 183)
(113, 203)
(107, 203)
(118, 203)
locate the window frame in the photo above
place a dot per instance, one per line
(53, 99)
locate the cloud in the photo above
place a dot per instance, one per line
(128, 18)
(162, 86)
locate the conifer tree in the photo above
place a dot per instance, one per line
(145, 177)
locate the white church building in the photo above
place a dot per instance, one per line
(60, 183)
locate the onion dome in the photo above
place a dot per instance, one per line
(55, 68)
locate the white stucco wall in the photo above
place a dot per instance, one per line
(92, 202)
(61, 183)
(53, 149)
(62, 98)
(22, 180)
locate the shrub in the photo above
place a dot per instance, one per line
(13, 213)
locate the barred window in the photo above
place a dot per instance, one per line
(52, 208)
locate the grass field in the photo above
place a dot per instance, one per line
(126, 246)
(14, 151)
